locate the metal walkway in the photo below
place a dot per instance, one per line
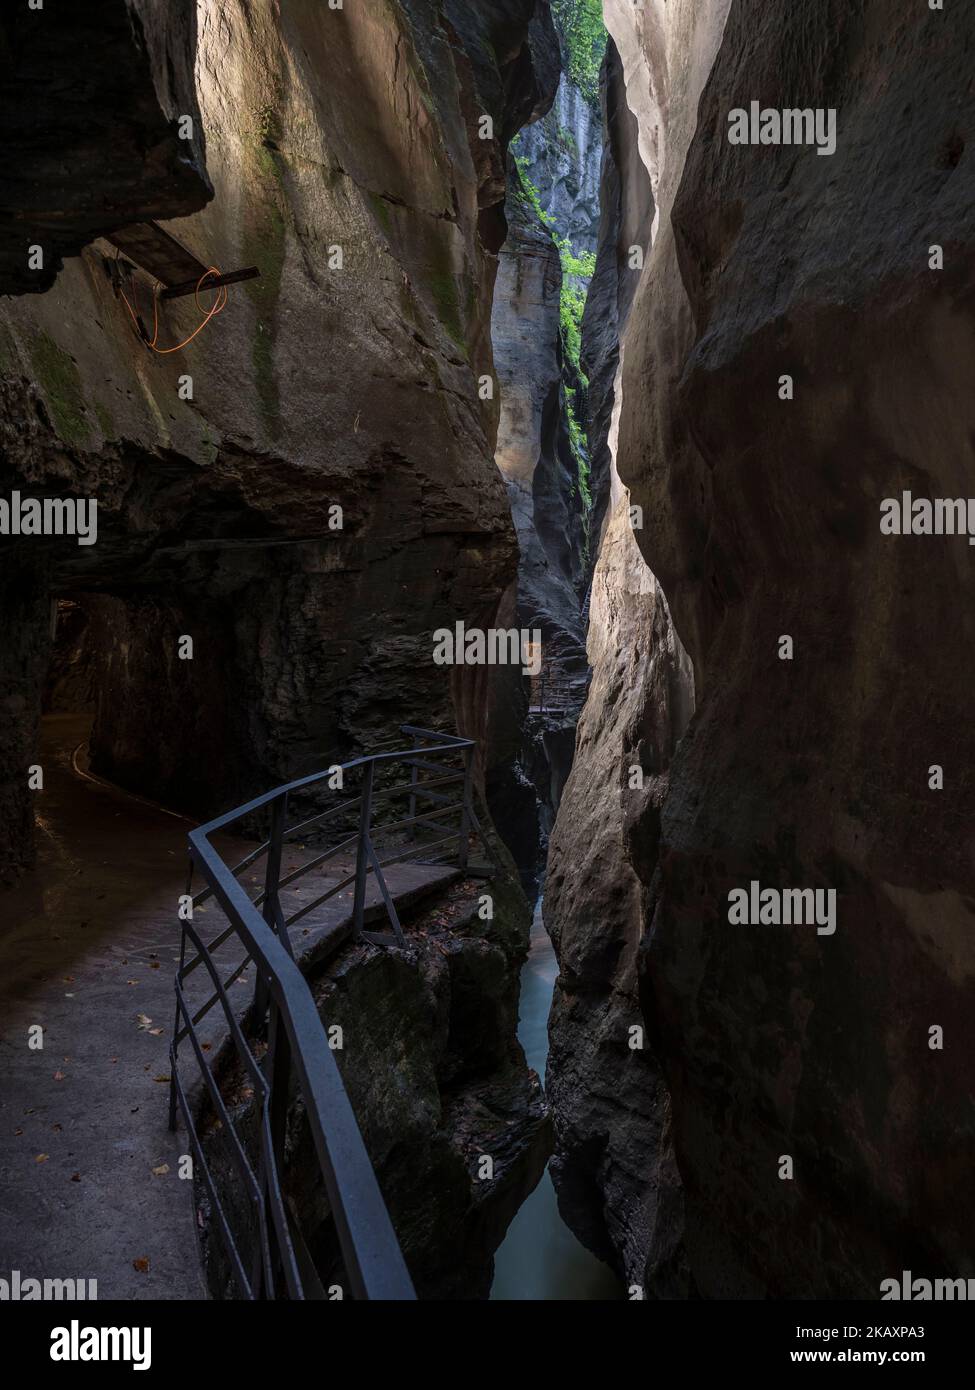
(276, 1040)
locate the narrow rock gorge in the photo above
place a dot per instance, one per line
(638, 333)
(545, 268)
(771, 1144)
(299, 496)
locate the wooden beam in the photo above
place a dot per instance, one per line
(214, 282)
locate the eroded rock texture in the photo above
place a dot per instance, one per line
(564, 150)
(613, 1166)
(437, 1082)
(762, 519)
(307, 489)
(101, 146)
(552, 199)
(325, 383)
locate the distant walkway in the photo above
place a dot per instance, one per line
(88, 949)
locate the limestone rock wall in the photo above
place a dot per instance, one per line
(553, 197)
(613, 1166)
(762, 519)
(306, 490)
(564, 153)
(345, 376)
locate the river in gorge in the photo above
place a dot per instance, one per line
(540, 1258)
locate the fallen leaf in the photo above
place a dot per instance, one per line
(156, 1032)
(59, 1076)
(76, 1177)
(132, 982)
(42, 1158)
(144, 1021)
(154, 965)
(141, 1265)
(158, 1172)
(18, 1131)
(162, 1078)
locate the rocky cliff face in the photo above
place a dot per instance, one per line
(104, 147)
(307, 515)
(762, 520)
(553, 199)
(307, 489)
(564, 153)
(613, 1166)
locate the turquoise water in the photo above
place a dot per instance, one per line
(540, 1258)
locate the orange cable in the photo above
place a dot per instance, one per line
(217, 307)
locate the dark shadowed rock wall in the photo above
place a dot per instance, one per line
(613, 1166)
(304, 492)
(761, 519)
(346, 376)
(553, 198)
(101, 146)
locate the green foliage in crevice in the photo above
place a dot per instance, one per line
(57, 375)
(580, 24)
(577, 272)
(580, 450)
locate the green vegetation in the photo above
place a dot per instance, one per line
(383, 216)
(265, 245)
(61, 384)
(578, 444)
(105, 421)
(577, 271)
(443, 287)
(567, 140)
(580, 24)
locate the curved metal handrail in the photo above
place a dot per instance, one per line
(297, 1044)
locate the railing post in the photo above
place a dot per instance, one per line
(362, 850)
(277, 1069)
(173, 1103)
(272, 913)
(414, 779)
(465, 814)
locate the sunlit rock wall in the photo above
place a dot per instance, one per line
(344, 153)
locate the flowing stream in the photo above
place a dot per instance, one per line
(540, 1258)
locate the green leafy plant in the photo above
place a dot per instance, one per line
(580, 23)
(577, 272)
(578, 445)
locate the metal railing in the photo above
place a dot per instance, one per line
(277, 1042)
(556, 689)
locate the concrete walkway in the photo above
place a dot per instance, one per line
(88, 948)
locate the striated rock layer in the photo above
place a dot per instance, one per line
(762, 520)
